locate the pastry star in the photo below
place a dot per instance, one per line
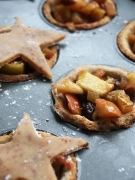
(25, 42)
(29, 156)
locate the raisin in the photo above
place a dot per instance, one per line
(82, 97)
(87, 109)
(116, 85)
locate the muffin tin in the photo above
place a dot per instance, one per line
(111, 155)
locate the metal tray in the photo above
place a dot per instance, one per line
(111, 155)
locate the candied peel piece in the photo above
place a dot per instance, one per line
(79, 14)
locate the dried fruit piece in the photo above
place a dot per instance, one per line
(111, 96)
(121, 99)
(92, 96)
(88, 8)
(88, 109)
(48, 53)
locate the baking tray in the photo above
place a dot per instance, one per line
(111, 155)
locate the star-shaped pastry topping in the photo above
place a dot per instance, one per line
(26, 42)
(29, 155)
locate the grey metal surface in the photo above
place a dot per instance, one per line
(111, 155)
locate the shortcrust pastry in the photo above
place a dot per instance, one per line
(79, 14)
(29, 154)
(96, 97)
(27, 52)
(126, 40)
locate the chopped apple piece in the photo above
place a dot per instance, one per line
(76, 18)
(13, 68)
(99, 73)
(89, 82)
(70, 26)
(106, 109)
(131, 80)
(110, 8)
(92, 96)
(123, 101)
(67, 86)
(111, 96)
(123, 83)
